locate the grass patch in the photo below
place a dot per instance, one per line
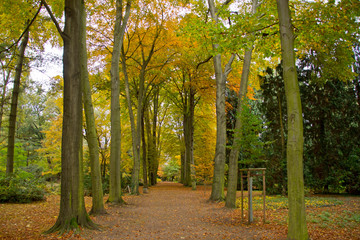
(280, 202)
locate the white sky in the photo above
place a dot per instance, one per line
(49, 69)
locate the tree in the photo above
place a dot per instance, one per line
(217, 192)
(297, 220)
(91, 136)
(14, 103)
(234, 153)
(115, 148)
(72, 212)
(144, 54)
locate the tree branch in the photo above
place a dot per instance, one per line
(62, 34)
(203, 62)
(228, 65)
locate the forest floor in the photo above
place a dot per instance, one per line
(171, 211)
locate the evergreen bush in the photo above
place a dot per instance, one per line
(21, 187)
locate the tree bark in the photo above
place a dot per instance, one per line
(188, 126)
(155, 144)
(14, 103)
(297, 219)
(91, 136)
(72, 208)
(144, 157)
(217, 192)
(3, 97)
(234, 153)
(136, 167)
(150, 147)
(115, 144)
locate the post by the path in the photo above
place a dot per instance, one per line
(249, 177)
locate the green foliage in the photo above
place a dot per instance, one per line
(20, 157)
(331, 144)
(272, 107)
(22, 186)
(251, 150)
(344, 219)
(171, 171)
(331, 127)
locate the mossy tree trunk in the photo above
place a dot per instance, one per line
(217, 192)
(115, 145)
(297, 228)
(14, 103)
(188, 128)
(91, 136)
(144, 155)
(72, 208)
(234, 153)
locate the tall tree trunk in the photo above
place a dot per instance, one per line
(149, 147)
(14, 103)
(72, 208)
(217, 192)
(144, 157)
(136, 167)
(3, 97)
(187, 155)
(188, 125)
(91, 136)
(129, 103)
(191, 128)
(182, 170)
(115, 145)
(234, 153)
(155, 145)
(297, 219)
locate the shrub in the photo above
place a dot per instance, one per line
(21, 187)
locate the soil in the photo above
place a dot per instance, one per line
(168, 211)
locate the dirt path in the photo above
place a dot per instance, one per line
(171, 211)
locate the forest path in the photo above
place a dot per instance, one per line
(171, 211)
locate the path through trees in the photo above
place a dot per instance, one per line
(172, 211)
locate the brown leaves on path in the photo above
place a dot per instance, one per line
(171, 211)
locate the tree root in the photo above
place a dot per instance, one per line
(97, 212)
(75, 225)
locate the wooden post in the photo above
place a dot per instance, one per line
(264, 195)
(250, 216)
(250, 183)
(242, 197)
